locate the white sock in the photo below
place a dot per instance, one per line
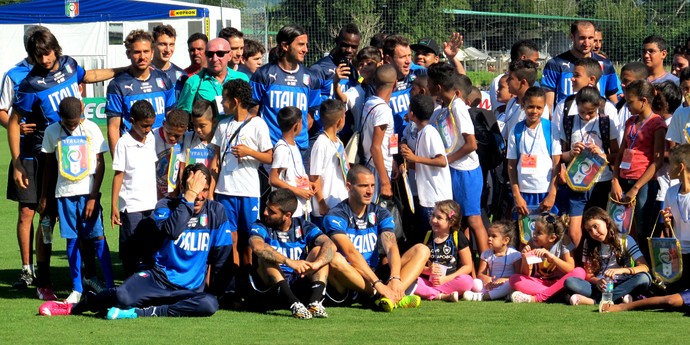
(27, 268)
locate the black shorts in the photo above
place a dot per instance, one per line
(34, 172)
(264, 296)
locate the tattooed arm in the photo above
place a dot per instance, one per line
(390, 245)
(326, 254)
(265, 252)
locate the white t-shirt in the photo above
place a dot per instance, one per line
(534, 143)
(515, 114)
(451, 129)
(663, 177)
(382, 115)
(55, 133)
(163, 151)
(289, 158)
(609, 110)
(501, 266)
(589, 132)
(678, 129)
(608, 259)
(409, 136)
(623, 116)
(138, 162)
(680, 209)
(355, 103)
(433, 183)
(240, 177)
(493, 91)
(324, 162)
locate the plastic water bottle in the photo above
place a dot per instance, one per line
(47, 230)
(607, 295)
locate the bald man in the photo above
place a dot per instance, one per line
(208, 83)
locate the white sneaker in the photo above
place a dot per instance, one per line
(73, 298)
(520, 297)
(472, 296)
(627, 299)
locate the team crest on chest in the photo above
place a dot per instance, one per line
(298, 232)
(203, 219)
(372, 218)
(306, 79)
(160, 83)
(68, 68)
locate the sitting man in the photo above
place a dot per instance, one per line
(293, 255)
(194, 232)
(356, 226)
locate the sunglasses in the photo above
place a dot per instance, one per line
(219, 53)
(548, 217)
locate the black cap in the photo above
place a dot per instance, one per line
(427, 43)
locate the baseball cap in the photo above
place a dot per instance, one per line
(427, 43)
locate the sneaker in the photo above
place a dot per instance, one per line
(575, 299)
(520, 297)
(472, 296)
(627, 299)
(409, 301)
(300, 311)
(94, 284)
(53, 308)
(73, 297)
(115, 313)
(25, 279)
(316, 309)
(46, 293)
(385, 304)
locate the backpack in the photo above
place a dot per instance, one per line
(568, 122)
(354, 150)
(427, 237)
(545, 127)
(491, 148)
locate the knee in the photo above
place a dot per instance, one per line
(208, 305)
(421, 251)
(571, 283)
(578, 272)
(338, 262)
(644, 279)
(515, 279)
(124, 299)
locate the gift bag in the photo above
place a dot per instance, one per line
(667, 263)
(583, 171)
(526, 224)
(622, 214)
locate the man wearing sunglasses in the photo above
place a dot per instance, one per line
(208, 83)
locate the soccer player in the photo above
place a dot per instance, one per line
(236, 39)
(164, 37)
(196, 46)
(558, 71)
(654, 52)
(53, 78)
(293, 257)
(208, 83)
(137, 83)
(346, 46)
(252, 57)
(193, 232)
(287, 82)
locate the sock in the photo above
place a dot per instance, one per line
(43, 274)
(103, 254)
(317, 289)
(87, 258)
(74, 259)
(283, 289)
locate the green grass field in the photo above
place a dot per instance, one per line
(433, 322)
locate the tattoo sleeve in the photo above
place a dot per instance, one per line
(327, 246)
(266, 252)
(389, 241)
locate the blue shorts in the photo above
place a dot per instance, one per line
(242, 211)
(597, 196)
(72, 222)
(533, 200)
(685, 295)
(467, 190)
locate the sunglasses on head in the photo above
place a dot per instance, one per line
(548, 217)
(219, 53)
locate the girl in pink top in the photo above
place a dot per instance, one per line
(640, 156)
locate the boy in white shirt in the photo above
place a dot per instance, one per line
(677, 202)
(134, 183)
(168, 139)
(429, 161)
(522, 74)
(196, 144)
(287, 169)
(379, 141)
(241, 143)
(329, 166)
(533, 156)
(78, 145)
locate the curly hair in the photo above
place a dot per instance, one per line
(591, 247)
(452, 210)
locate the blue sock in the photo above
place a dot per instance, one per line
(74, 259)
(103, 255)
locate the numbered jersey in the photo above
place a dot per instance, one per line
(558, 73)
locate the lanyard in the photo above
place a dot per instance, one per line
(680, 210)
(235, 136)
(433, 243)
(69, 133)
(335, 146)
(534, 139)
(505, 263)
(637, 131)
(584, 126)
(292, 156)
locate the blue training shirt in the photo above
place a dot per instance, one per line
(191, 240)
(39, 95)
(276, 89)
(124, 90)
(363, 232)
(293, 244)
(559, 71)
(325, 70)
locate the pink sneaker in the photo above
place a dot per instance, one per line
(53, 308)
(46, 293)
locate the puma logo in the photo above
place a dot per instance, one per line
(130, 87)
(273, 76)
(566, 64)
(42, 81)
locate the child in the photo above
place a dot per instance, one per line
(134, 183)
(420, 86)
(640, 157)
(503, 95)
(77, 187)
(673, 99)
(329, 167)
(587, 130)
(454, 124)
(629, 73)
(252, 57)
(522, 74)
(196, 146)
(368, 60)
(450, 263)
(678, 128)
(677, 204)
(553, 247)
(498, 263)
(606, 255)
(654, 52)
(428, 159)
(167, 140)
(287, 169)
(533, 156)
(241, 143)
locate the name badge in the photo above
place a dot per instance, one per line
(302, 182)
(626, 162)
(393, 144)
(528, 164)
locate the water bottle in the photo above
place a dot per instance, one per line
(46, 229)
(607, 295)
